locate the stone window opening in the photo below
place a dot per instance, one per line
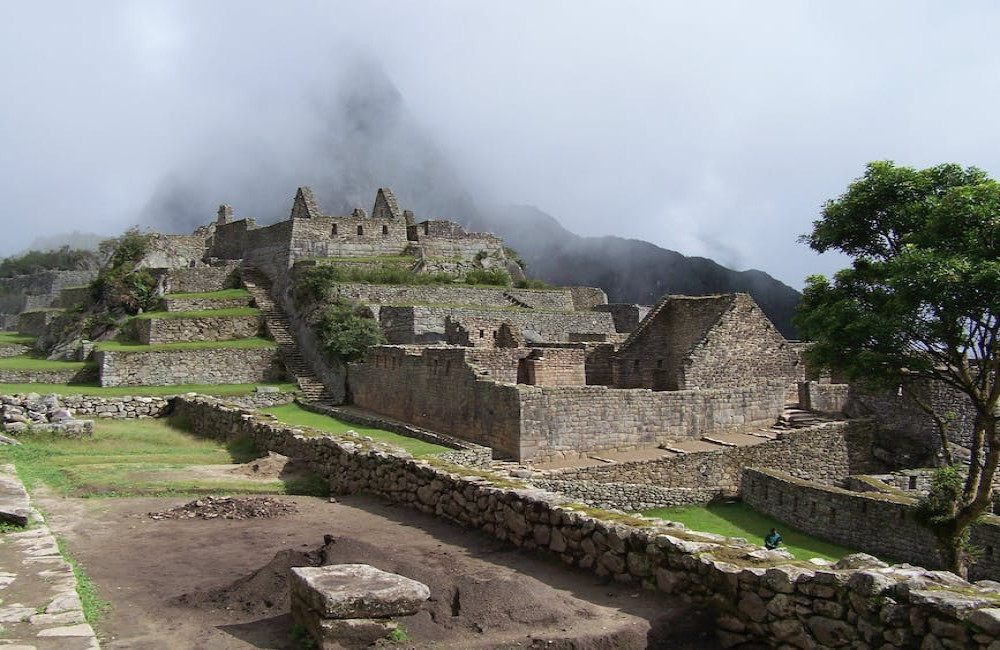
(385, 230)
(361, 230)
(913, 482)
(635, 365)
(833, 515)
(988, 551)
(447, 367)
(427, 229)
(659, 364)
(333, 231)
(482, 334)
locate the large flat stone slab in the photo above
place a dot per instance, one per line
(342, 591)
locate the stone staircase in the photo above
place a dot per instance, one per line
(279, 328)
(516, 302)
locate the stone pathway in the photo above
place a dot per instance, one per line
(39, 606)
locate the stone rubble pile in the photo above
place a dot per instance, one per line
(32, 413)
(227, 508)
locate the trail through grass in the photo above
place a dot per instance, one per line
(295, 414)
(221, 390)
(740, 520)
(137, 458)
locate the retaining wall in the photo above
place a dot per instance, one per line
(151, 331)
(879, 523)
(74, 375)
(199, 366)
(826, 453)
(761, 596)
(200, 279)
(409, 324)
(552, 299)
(201, 304)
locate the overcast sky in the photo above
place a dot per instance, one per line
(714, 129)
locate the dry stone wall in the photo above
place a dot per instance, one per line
(34, 323)
(201, 304)
(427, 325)
(198, 366)
(152, 331)
(825, 453)
(200, 279)
(327, 236)
(444, 389)
(553, 299)
(822, 397)
(878, 523)
(761, 596)
(74, 374)
(45, 283)
(571, 422)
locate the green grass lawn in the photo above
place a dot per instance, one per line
(221, 390)
(223, 294)
(295, 414)
(27, 362)
(201, 313)
(16, 339)
(115, 346)
(140, 458)
(740, 520)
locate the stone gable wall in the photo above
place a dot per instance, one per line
(627, 317)
(742, 347)
(542, 366)
(200, 366)
(877, 523)
(654, 357)
(230, 239)
(771, 600)
(826, 453)
(315, 237)
(152, 331)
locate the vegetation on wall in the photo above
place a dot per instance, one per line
(121, 288)
(61, 259)
(344, 334)
(920, 303)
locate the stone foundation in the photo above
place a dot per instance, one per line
(153, 331)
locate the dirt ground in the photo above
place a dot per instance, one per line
(220, 583)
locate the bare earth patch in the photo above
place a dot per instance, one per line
(221, 583)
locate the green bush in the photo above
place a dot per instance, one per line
(531, 283)
(344, 334)
(496, 277)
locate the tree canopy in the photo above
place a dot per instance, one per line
(921, 301)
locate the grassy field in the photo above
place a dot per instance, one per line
(26, 362)
(739, 520)
(141, 458)
(201, 313)
(221, 390)
(295, 414)
(223, 294)
(115, 346)
(15, 338)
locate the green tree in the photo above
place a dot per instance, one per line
(920, 302)
(344, 333)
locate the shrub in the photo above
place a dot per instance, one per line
(531, 283)
(498, 277)
(344, 334)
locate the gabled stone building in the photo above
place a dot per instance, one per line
(701, 342)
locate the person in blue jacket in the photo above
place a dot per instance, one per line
(772, 539)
